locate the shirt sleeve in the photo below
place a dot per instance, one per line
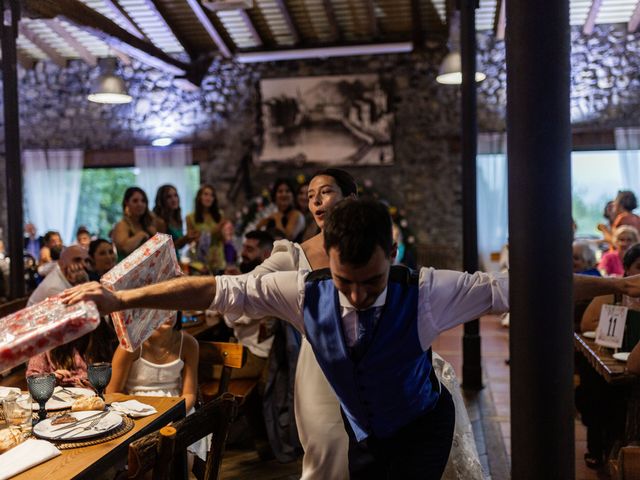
(279, 294)
(449, 298)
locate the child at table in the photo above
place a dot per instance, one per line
(166, 365)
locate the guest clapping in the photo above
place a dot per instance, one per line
(137, 224)
(287, 218)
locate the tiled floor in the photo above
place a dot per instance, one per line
(495, 350)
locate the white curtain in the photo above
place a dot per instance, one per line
(52, 189)
(157, 166)
(628, 146)
(492, 196)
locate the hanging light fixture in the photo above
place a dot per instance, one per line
(450, 72)
(108, 87)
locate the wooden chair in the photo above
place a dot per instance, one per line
(164, 451)
(230, 356)
(628, 467)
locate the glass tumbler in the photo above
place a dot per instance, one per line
(17, 412)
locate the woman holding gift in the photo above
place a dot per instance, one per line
(137, 225)
(204, 223)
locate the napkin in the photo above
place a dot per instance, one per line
(6, 391)
(24, 456)
(133, 408)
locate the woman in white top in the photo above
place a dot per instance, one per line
(166, 365)
(317, 410)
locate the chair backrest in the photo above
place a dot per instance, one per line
(160, 451)
(229, 355)
(629, 463)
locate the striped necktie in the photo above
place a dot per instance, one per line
(366, 329)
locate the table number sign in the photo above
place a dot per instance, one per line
(611, 326)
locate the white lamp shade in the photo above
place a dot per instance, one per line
(451, 70)
(109, 89)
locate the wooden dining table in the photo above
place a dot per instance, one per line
(90, 461)
(614, 373)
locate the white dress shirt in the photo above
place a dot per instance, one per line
(54, 283)
(446, 299)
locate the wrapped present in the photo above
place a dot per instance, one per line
(153, 262)
(43, 326)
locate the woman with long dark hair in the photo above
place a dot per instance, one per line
(137, 224)
(169, 216)
(204, 223)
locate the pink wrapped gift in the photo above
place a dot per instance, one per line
(43, 326)
(153, 262)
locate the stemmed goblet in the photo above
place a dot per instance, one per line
(99, 375)
(41, 389)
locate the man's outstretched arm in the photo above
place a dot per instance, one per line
(585, 287)
(184, 293)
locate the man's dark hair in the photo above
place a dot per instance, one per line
(346, 183)
(48, 235)
(627, 200)
(631, 256)
(355, 228)
(265, 239)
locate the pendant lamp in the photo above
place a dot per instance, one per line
(108, 87)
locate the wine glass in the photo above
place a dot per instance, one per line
(99, 375)
(41, 389)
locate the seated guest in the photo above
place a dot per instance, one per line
(71, 269)
(584, 259)
(50, 252)
(287, 218)
(69, 362)
(623, 238)
(32, 243)
(103, 257)
(204, 224)
(595, 399)
(623, 207)
(230, 252)
(166, 365)
(83, 237)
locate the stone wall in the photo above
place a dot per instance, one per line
(223, 117)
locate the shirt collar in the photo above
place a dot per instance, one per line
(346, 305)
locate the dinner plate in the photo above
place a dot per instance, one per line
(61, 399)
(84, 430)
(621, 356)
(591, 334)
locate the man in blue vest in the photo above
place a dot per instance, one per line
(370, 325)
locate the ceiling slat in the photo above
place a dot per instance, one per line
(29, 34)
(209, 27)
(82, 51)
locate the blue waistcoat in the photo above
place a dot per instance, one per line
(390, 386)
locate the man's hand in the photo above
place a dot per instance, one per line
(106, 300)
(632, 286)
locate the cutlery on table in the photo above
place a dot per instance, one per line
(81, 422)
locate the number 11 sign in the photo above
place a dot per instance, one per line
(611, 326)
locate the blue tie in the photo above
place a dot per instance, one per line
(366, 329)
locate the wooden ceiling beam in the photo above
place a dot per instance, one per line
(154, 7)
(334, 26)
(284, 10)
(73, 42)
(431, 12)
(634, 21)
(80, 15)
(590, 21)
(374, 28)
(206, 22)
(52, 53)
(500, 22)
(129, 23)
(246, 19)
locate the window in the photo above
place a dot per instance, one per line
(102, 190)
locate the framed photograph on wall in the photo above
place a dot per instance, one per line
(330, 120)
